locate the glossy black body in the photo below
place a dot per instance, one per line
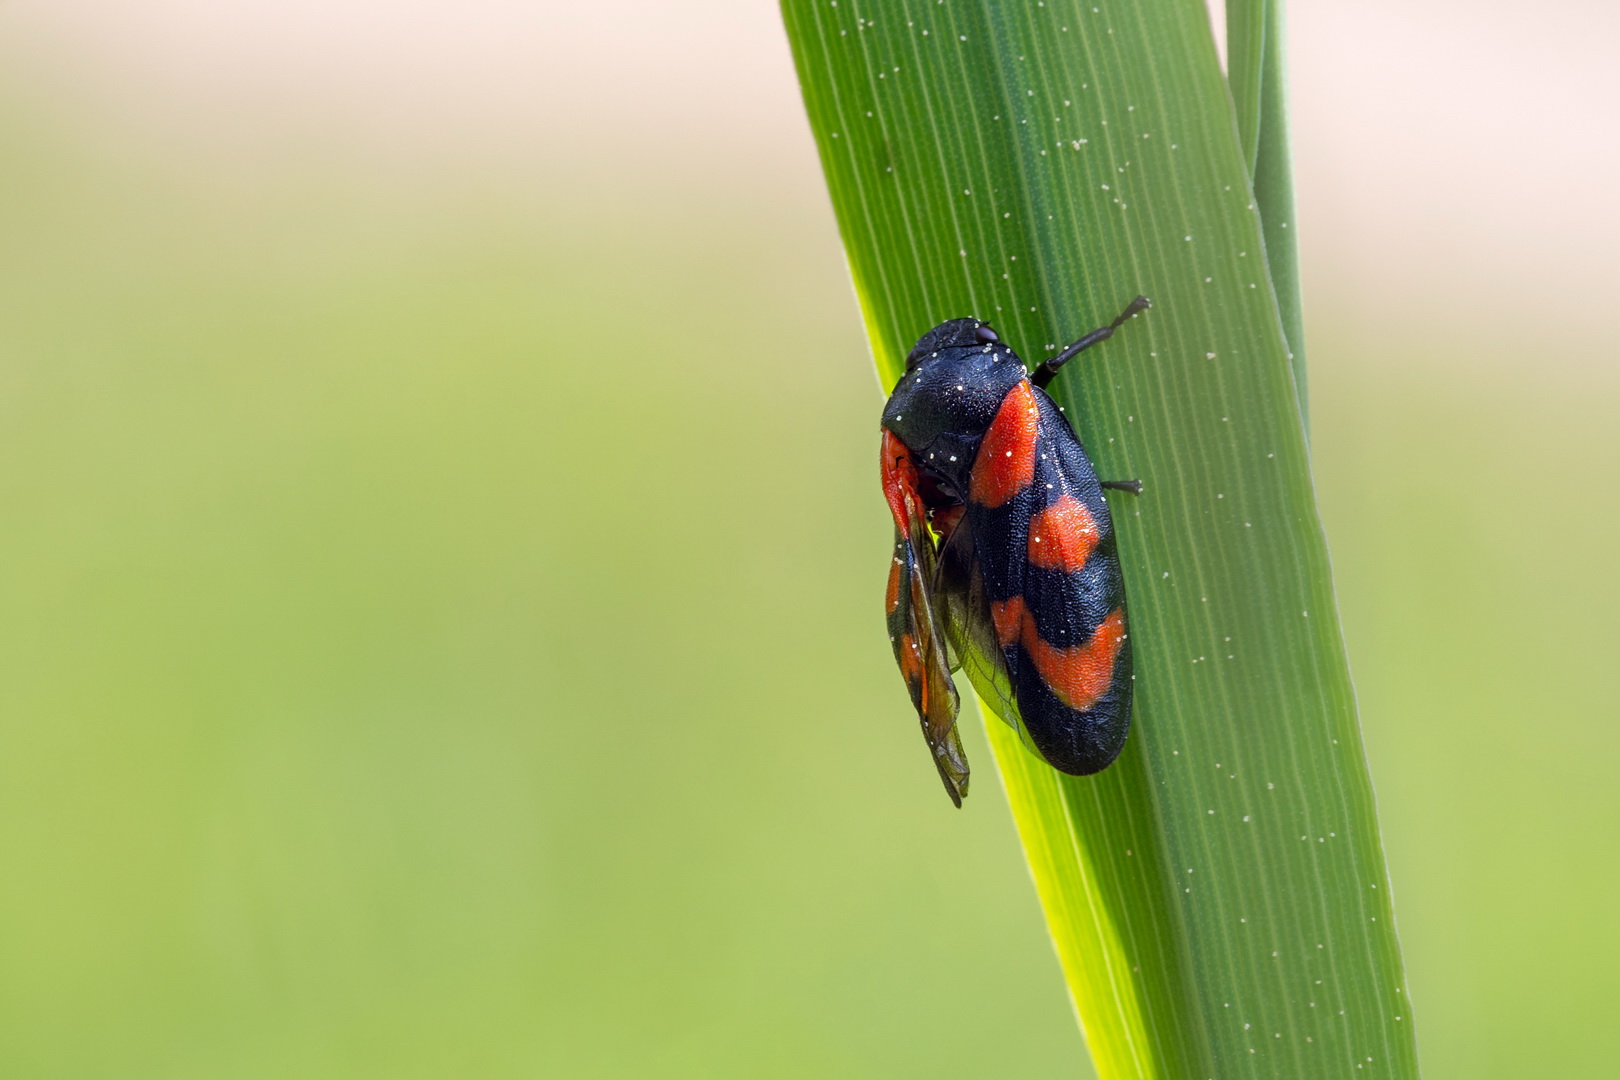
(958, 379)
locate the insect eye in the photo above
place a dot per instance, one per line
(986, 335)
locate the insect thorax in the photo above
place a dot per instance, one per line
(942, 407)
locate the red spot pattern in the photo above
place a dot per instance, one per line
(1081, 675)
(1005, 464)
(900, 483)
(1009, 616)
(911, 667)
(1063, 536)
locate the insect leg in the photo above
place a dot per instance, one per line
(1132, 486)
(1044, 373)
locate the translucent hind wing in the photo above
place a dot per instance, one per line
(914, 623)
(968, 629)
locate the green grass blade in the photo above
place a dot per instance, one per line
(1218, 897)
(1245, 70)
(1258, 77)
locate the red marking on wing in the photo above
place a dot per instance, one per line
(1063, 536)
(914, 629)
(927, 650)
(1009, 617)
(911, 667)
(1005, 464)
(900, 483)
(1081, 675)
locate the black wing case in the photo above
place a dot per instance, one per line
(1044, 549)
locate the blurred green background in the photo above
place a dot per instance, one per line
(442, 550)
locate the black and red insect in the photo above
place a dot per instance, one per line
(1005, 563)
